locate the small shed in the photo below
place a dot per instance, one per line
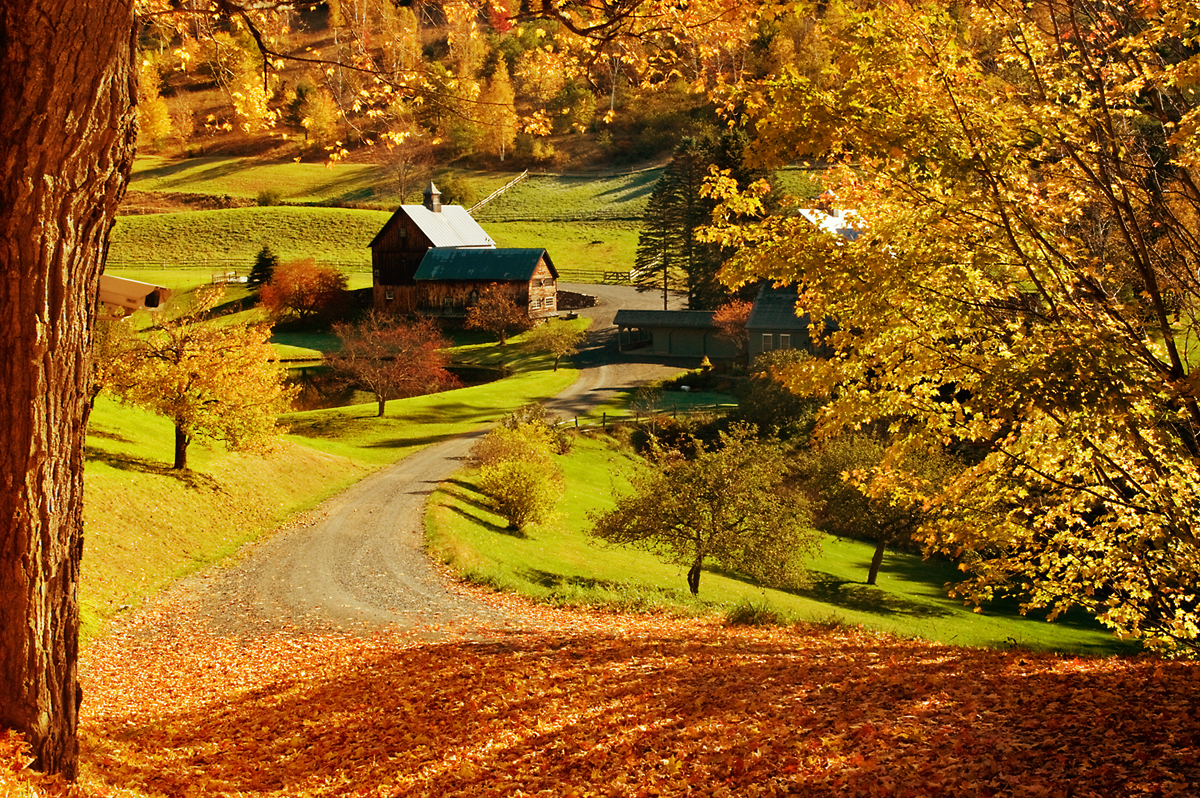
(674, 333)
(450, 280)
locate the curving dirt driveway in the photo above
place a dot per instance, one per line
(357, 564)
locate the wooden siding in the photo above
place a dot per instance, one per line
(397, 253)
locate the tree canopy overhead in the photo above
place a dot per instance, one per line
(1026, 290)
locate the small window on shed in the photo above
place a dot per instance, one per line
(389, 295)
(785, 341)
(768, 342)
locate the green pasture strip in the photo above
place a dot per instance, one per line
(574, 198)
(212, 240)
(582, 251)
(245, 178)
(412, 423)
(560, 563)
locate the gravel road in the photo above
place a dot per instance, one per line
(356, 564)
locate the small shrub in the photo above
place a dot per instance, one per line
(750, 612)
(524, 492)
(268, 197)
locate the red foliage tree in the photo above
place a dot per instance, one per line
(392, 358)
(497, 313)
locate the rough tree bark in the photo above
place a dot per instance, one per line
(67, 133)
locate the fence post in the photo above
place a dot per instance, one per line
(604, 420)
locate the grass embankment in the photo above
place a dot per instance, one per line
(147, 525)
(560, 563)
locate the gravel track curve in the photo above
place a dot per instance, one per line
(357, 564)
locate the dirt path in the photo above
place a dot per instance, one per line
(357, 563)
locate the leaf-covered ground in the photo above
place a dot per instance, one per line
(602, 705)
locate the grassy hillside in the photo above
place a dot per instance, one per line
(196, 237)
(146, 525)
(215, 240)
(559, 563)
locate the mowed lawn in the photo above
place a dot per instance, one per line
(559, 563)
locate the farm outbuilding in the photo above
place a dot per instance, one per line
(674, 333)
(450, 280)
(773, 323)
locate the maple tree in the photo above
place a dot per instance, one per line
(1025, 287)
(728, 503)
(304, 290)
(218, 381)
(497, 313)
(392, 358)
(837, 474)
(730, 318)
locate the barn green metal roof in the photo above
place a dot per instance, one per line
(501, 265)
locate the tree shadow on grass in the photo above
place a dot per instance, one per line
(483, 522)
(191, 479)
(858, 596)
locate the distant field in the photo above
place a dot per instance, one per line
(571, 198)
(300, 183)
(196, 238)
(592, 247)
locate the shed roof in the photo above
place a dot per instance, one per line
(452, 226)
(664, 318)
(775, 309)
(501, 265)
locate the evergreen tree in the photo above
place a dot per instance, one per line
(265, 264)
(670, 255)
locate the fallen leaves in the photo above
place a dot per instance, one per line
(601, 705)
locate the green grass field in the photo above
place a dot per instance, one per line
(199, 238)
(206, 243)
(559, 563)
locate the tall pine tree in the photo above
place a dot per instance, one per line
(670, 254)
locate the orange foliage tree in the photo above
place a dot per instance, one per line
(305, 290)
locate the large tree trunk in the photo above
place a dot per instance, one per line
(877, 559)
(67, 132)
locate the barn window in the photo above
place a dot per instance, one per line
(549, 302)
(389, 295)
(785, 341)
(534, 304)
(768, 342)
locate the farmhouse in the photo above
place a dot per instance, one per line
(434, 259)
(450, 280)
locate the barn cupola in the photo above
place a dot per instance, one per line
(433, 198)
